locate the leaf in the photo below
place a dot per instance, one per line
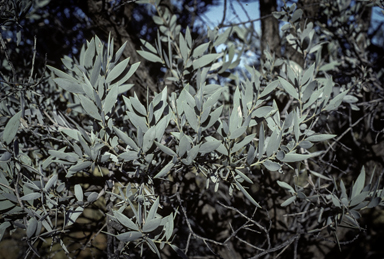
(138, 106)
(249, 197)
(3, 227)
(129, 155)
(271, 166)
(183, 47)
(51, 182)
(261, 142)
(165, 170)
(242, 143)
(269, 88)
(122, 135)
(71, 157)
(149, 56)
(32, 226)
(214, 116)
(90, 107)
(305, 144)
(92, 197)
(222, 37)
(335, 102)
(191, 116)
(242, 175)
(286, 186)
(151, 225)
(212, 100)
(153, 247)
(292, 157)
(359, 184)
(117, 70)
(296, 126)
(204, 60)
(131, 71)
(251, 155)
(288, 201)
(350, 99)
(80, 166)
(158, 20)
(165, 149)
(320, 175)
(153, 210)
(289, 88)
(125, 220)
(73, 215)
(209, 147)
(6, 156)
(308, 74)
(11, 128)
(320, 137)
(188, 37)
(359, 198)
(70, 86)
(149, 137)
(161, 126)
(78, 192)
(274, 142)
(31, 196)
(111, 99)
(335, 201)
(199, 50)
(137, 121)
(129, 236)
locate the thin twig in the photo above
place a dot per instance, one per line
(342, 135)
(204, 239)
(242, 23)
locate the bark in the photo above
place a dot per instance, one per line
(106, 23)
(269, 28)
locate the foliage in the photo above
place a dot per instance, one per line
(113, 153)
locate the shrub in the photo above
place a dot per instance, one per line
(77, 152)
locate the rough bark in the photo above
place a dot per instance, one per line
(269, 27)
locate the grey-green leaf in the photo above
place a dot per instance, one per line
(209, 146)
(249, 197)
(289, 88)
(78, 192)
(204, 60)
(320, 137)
(11, 128)
(70, 86)
(165, 170)
(359, 184)
(90, 107)
(129, 236)
(149, 56)
(111, 99)
(125, 220)
(117, 70)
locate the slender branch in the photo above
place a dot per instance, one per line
(343, 134)
(242, 23)
(190, 228)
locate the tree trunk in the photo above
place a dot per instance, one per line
(269, 28)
